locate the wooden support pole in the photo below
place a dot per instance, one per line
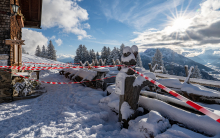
(186, 70)
(150, 67)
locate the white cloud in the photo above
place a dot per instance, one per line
(139, 15)
(65, 14)
(216, 53)
(53, 37)
(199, 30)
(32, 39)
(61, 56)
(152, 29)
(87, 26)
(59, 41)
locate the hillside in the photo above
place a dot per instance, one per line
(65, 58)
(198, 60)
(216, 63)
(174, 62)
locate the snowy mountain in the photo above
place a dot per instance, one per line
(198, 60)
(216, 63)
(65, 58)
(170, 57)
(209, 56)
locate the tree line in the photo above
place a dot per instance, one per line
(82, 54)
(49, 52)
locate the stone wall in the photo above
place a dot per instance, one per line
(9, 29)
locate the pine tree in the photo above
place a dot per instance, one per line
(139, 62)
(196, 73)
(78, 56)
(38, 51)
(51, 52)
(121, 51)
(97, 55)
(157, 59)
(44, 53)
(23, 51)
(92, 54)
(85, 54)
(104, 53)
(113, 55)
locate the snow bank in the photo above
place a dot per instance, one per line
(112, 101)
(174, 83)
(113, 68)
(113, 72)
(150, 124)
(176, 131)
(202, 124)
(139, 80)
(199, 90)
(126, 110)
(189, 88)
(111, 88)
(86, 74)
(101, 69)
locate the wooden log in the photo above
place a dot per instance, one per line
(131, 96)
(150, 67)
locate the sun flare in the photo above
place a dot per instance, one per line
(180, 24)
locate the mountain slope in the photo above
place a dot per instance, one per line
(197, 59)
(173, 62)
(169, 56)
(65, 58)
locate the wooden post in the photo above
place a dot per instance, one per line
(150, 67)
(186, 70)
(189, 74)
(37, 73)
(154, 68)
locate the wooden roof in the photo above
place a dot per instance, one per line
(32, 10)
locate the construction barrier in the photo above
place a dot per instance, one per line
(50, 68)
(66, 64)
(189, 102)
(59, 82)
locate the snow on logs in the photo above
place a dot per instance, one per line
(79, 75)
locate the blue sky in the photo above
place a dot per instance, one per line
(145, 23)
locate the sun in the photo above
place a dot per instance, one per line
(180, 24)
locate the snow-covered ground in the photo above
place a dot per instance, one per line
(76, 111)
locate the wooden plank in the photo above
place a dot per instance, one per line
(14, 42)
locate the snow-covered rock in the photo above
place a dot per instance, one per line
(150, 124)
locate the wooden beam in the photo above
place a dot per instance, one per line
(32, 24)
(29, 9)
(14, 42)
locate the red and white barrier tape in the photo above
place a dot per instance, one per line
(189, 102)
(66, 64)
(59, 82)
(50, 68)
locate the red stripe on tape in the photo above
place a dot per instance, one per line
(153, 81)
(161, 86)
(174, 93)
(218, 120)
(194, 105)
